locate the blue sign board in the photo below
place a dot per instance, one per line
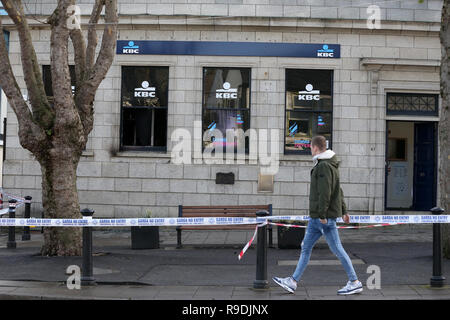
(219, 48)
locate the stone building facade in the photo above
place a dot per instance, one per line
(377, 67)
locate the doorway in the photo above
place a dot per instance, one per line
(411, 165)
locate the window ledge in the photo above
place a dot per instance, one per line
(167, 155)
(142, 154)
(87, 153)
(296, 157)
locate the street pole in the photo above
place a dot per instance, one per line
(437, 280)
(11, 244)
(87, 270)
(261, 255)
(26, 230)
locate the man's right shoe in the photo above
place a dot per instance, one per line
(286, 283)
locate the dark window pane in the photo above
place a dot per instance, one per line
(226, 88)
(309, 105)
(308, 90)
(145, 86)
(144, 107)
(397, 149)
(226, 104)
(160, 125)
(137, 126)
(47, 78)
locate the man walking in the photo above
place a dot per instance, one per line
(325, 206)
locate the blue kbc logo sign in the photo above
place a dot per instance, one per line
(325, 52)
(131, 48)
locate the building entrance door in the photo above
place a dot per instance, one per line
(410, 165)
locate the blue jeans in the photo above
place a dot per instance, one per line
(314, 231)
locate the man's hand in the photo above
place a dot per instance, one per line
(346, 218)
(323, 221)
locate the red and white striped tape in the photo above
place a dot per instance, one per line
(251, 240)
(241, 254)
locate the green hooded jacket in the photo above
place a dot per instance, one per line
(326, 199)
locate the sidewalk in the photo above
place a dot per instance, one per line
(51, 290)
(207, 267)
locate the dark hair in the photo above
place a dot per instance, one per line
(320, 142)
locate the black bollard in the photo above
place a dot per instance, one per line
(87, 270)
(26, 215)
(11, 244)
(437, 280)
(261, 255)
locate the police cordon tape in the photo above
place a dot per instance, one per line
(20, 201)
(374, 220)
(380, 221)
(211, 221)
(241, 254)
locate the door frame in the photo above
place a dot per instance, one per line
(435, 124)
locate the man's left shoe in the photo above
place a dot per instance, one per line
(351, 288)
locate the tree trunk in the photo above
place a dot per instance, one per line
(59, 195)
(444, 124)
(56, 133)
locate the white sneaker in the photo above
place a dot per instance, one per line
(351, 288)
(286, 283)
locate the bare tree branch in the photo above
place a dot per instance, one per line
(67, 120)
(92, 32)
(30, 134)
(79, 47)
(42, 111)
(104, 60)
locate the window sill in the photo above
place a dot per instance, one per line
(142, 154)
(87, 153)
(167, 155)
(296, 157)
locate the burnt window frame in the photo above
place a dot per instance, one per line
(123, 147)
(313, 112)
(248, 109)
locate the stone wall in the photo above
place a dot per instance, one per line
(409, 10)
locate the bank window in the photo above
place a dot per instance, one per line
(309, 108)
(144, 108)
(47, 78)
(226, 105)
